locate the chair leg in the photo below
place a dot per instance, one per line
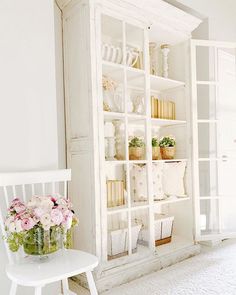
(13, 288)
(65, 288)
(91, 283)
(38, 290)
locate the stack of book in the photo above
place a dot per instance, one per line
(162, 109)
(115, 193)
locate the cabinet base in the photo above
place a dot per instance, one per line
(107, 279)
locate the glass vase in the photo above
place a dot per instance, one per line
(42, 242)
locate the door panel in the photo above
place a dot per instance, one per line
(214, 138)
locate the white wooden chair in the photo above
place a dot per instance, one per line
(26, 271)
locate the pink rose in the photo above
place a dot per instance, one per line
(22, 215)
(15, 201)
(53, 199)
(62, 208)
(67, 220)
(27, 223)
(67, 214)
(56, 216)
(39, 212)
(20, 207)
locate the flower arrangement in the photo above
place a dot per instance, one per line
(29, 224)
(167, 141)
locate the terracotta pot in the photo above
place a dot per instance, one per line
(156, 153)
(136, 153)
(167, 153)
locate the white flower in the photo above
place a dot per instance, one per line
(31, 204)
(46, 205)
(46, 227)
(34, 201)
(68, 223)
(62, 201)
(46, 221)
(18, 226)
(12, 227)
(9, 220)
(56, 216)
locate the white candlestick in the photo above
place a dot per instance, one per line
(119, 140)
(165, 51)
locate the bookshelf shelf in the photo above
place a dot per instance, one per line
(166, 122)
(170, 161)
(110, 116)
(161, 84)
(171, 200)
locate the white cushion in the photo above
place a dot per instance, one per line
(138, 183)
(173, 178)
(157, 178)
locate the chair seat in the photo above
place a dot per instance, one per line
(62, 264)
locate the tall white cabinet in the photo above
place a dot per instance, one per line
(98, 39)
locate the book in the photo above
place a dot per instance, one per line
(170, 110)
(152, 106)
(156, 107)
(173, 111)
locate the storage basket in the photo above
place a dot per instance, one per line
(118, 241)
(163, 230)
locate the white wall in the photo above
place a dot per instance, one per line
(221, 15)
(29, 123)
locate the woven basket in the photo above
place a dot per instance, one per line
(156, 153)
(136, 153)
(167, 153)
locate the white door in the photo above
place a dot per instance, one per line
(213, 69)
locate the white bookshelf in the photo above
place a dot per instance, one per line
(130, 80)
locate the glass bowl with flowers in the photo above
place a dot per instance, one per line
(41, 226)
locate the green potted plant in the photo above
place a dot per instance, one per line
(155, 149)
(167, 147)
(136, 148)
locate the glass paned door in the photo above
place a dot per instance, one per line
(213, 69)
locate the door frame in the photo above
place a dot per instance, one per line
(195, 153)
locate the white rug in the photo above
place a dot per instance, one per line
(212, 272)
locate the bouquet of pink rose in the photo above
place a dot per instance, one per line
(40, 224)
